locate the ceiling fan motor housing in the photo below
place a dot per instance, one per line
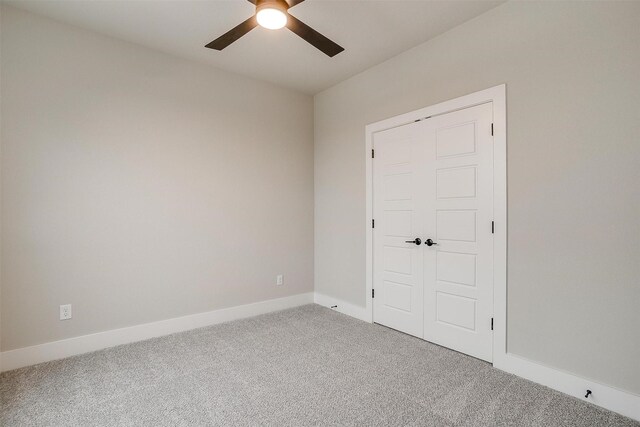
(271, 4)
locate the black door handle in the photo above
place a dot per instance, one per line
(417, 241)
(430, 242)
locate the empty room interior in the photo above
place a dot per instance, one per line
(320, 212)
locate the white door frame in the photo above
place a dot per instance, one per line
(496, 95)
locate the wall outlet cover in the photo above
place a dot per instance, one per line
(65, 312)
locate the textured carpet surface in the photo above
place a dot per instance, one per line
(304, 366)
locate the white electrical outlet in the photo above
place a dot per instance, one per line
(279, 280)
(65, 312)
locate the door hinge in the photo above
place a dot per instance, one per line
(373, 223)
(373, 153)
(491, 129)
(373, 293)
(492, 323)
(492, 227)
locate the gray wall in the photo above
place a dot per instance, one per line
(139, 187)
(573, 92)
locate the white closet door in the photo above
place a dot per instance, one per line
(433, 180)
(458, 270)
(397, 275)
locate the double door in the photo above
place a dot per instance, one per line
(432, 240)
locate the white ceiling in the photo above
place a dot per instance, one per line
(371, 31)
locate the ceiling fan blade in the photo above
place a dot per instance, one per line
(292, 2)
(234, 34)
(312, 36)
(254, 1)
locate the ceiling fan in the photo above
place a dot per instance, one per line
(274, 14)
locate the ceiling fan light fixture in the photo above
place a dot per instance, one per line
(271, 14)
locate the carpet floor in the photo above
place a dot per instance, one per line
(298, 367)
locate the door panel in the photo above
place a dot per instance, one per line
(397, 295)
(455, 225)
(397, 186)
(456, 183)
(458, 276)
(397, 275)
(456, 310)
(397, 259)
(456, 140)
(398, 223)
(455, 267)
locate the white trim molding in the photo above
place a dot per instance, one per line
(342, 306)
(27, 356)
(622, 402)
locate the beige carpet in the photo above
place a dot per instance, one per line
(298, 367)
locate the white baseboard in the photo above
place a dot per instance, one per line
(622, 402)
(341, 306)
(27, 356)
